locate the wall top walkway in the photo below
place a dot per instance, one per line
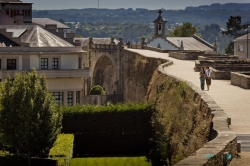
(234, 100)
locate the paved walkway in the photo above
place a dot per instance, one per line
(234, 100)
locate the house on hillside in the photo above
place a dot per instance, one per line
(193, 43)
(242, 46)
(25, 47)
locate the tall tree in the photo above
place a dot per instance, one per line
(234, 27)
(29, 119)
(185, 30)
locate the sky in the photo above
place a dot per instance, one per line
(114, 4)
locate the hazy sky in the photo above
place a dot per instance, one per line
(114, 4)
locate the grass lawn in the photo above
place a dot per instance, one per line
(110, 161)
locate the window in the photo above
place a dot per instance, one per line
(54, 63)
(58, 97)
(240, 48)
(70, 98)
(80, 62)
(44, 63)
(77, 97)
(159, 26)
(11, 64)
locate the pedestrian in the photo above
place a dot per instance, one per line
(202, 77)
(208, 77)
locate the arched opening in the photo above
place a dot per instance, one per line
(105, 74)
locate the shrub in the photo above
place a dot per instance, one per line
(62, 149)
(97, 90)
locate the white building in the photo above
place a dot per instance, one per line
(23, 47)
(242, 46)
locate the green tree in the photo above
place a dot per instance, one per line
(185, 30)
(29, 118)
(97, 90)
(61, 20)
(230, 48)
(234, 27)
(78, 36)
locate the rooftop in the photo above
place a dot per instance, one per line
(243, 37)
(190, 43)
(46, 21)
(35, 35)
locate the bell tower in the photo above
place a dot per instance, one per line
(160, 25)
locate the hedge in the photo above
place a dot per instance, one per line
(109, 130)
(11, 160)
(62, 149)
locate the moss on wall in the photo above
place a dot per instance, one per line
(181, 123)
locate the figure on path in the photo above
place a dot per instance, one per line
(128, 43)
(202, 77)
(208, 77)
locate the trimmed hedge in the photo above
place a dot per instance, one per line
(119, 129)
(11, 160)
(62, 149)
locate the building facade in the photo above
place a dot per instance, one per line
(242, 46)
(14, 11)
(25, 46)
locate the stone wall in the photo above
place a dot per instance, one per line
(214, 151)
(241, 79)
(155, 49)
(186, 55)
(102, 99)
(218, 57)
(139, 74)
(220, 75)
(224, 65)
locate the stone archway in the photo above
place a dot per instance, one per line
(104, 74)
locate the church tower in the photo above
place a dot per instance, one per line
(160, 25)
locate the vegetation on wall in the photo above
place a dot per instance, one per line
(29, 120)
(97, 90)
(180, 123)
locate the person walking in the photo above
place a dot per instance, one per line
(208, 77)
(202, 77)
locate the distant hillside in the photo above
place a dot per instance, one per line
(218, 6)
(197, 17)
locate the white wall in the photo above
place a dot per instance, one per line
(62, 84)
(34, 62)
(20, 62)
(242, 54)
(163, 43)
(69, 62)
